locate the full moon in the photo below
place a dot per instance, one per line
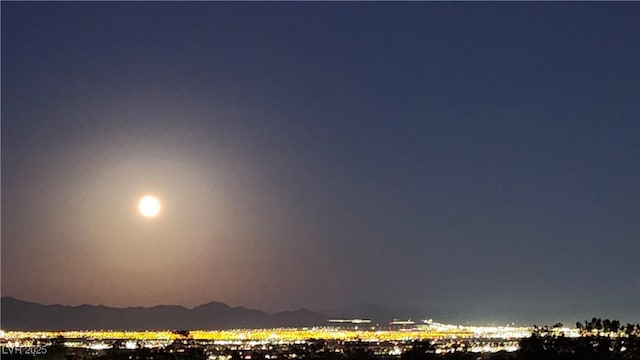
(149, 206)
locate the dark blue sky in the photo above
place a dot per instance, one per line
(464, 159)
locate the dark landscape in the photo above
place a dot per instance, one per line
(320, 180)
(22, 315)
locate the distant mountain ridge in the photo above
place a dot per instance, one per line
(23, 315)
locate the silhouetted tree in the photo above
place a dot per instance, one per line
(615, 326)
(183, 333)
(542, 345)
(598, 325)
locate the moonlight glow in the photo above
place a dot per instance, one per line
(149, 206)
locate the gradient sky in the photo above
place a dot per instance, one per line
(459, 158)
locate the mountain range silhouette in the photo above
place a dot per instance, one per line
(23, 315)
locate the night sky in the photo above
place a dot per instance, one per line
(457, 158)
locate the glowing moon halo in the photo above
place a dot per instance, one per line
(149, 206)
